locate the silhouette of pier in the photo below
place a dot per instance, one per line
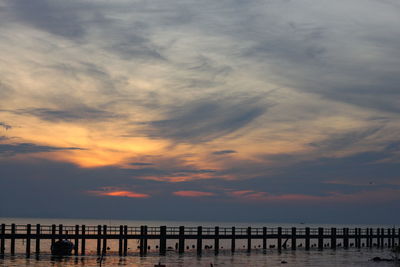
(278, 238)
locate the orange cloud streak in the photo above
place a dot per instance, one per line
(358, 197)
(193, 194)
(130, 194)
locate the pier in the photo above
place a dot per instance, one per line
(269, 238)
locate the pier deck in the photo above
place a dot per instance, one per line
(78, 234)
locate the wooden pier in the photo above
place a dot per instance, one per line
(278, 238)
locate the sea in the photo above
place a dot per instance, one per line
(257, 257)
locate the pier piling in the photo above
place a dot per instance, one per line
(98, 250)
(320, 238)
(199, 239)
(294, 238)
(248, 239)
(37, 239)
(233, 241)
(279, 239)
(2, 241)
(28, 240)
(264, 238)
(307, 239)
(181, 239)
(83, 240)
(76, 244)
(333, 238)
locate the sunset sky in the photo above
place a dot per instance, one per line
(256, 110)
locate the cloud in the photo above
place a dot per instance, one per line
(68, 114)
(205, 120)
(3, 138)
(346, 140)
(224, 152)
(382, 196)
(193, 194)
(56, 17)
(5, 125)
(129, 194)
(141, 164)
(26, 148)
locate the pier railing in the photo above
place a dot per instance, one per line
(281, 238)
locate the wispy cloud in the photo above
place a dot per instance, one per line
(117, 192)
(5, 125)
(205, 120)
(224, 152)
(26, 148)
(193, 194)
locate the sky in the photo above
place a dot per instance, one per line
(256, 110)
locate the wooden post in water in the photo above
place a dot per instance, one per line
(320, 238)
(104, 240)
(333, 238)
(83, 240)
(264, 237)
(389, 237)
(216, 240)
(378, 237)
(398, 237)
(28, 240)
(279, 239)
(37, 240)
(248, 232)
(382, 237)
(181, 243)
(12, 241)
(199, 239)
(60, 231)
(163, 240)
(53, 232)
(121, 233)
(145, 240)
(346, 237)
(233, 241)
(2, 242)
(369, 237)
(141, 240)
(294, 244)
(125, 240)
(307, 238)
(76, 245)
(393, 237)
(98, 240)
(358, 237)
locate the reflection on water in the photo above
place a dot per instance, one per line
(340, 257)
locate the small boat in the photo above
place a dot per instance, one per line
(62, 248)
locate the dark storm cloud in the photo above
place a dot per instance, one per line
(24, 148)
(224, 152)
(205, 120)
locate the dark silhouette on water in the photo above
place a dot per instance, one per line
(62, 248)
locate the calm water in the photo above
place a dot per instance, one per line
(258, 257)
